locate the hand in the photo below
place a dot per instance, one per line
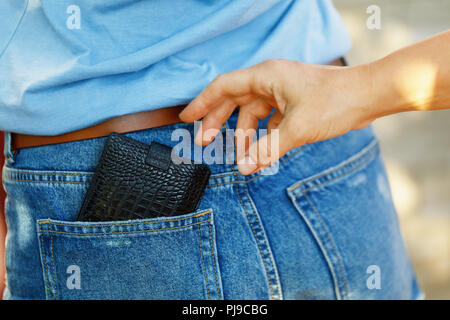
(311, 103)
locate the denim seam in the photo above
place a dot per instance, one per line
(88, 175)
(208, 212)
(214, 261)
(24, 171)
(223, 175)
(203, 261)
(347, 167)
(53, 264)
(29, 172)
(257, 242)
(85, 182)
(320, 244)
(47, 271)
(46, 284)
(343, 174)
(41, 173)
(366, 151)
(121, 232)
(263, 258)
(333, 245)
(40, 181)
(256, 176)
(265, 241)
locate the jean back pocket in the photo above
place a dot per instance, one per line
(349, 210)
(159, 258)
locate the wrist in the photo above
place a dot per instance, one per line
(362, 94)
(391, 86)
(375, 93)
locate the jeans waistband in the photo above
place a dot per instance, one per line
(83, 155)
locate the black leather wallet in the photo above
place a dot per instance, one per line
(134, 180)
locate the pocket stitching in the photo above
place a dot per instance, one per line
(342, 175)
(50, 272)
(46, 282)
(214, 260)
(50, 181)
(53, 265)
(369, 152)
(49, 222)
(330, 238)
(49, 173)
(299, 189)
(203, 261)
(121, 232)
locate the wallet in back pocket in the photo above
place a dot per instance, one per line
(134, 180)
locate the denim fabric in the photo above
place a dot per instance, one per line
(315, 230)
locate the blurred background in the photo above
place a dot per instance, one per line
(416, 145)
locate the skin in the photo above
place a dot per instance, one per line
(315, 102)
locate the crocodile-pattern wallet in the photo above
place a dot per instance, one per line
(134, 180)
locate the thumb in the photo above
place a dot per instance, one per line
(268, 149)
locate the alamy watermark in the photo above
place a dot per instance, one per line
(373, 22)
(73, 21)
(374, 280)
(74, 279)
(222, 150)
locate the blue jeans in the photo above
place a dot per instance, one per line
(323, 227)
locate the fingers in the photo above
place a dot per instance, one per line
(274, 120)
(247, 124)
(236, 85)
(268, 149)
(245, 130)
(213, 121)
(256, 90)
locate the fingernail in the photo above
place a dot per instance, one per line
(247, 166)
(210, 134)
(198, 139)
(199, 134)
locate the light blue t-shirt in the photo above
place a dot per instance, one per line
(69, 64)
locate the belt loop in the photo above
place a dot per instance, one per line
(7, 150)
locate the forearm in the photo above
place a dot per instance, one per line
(414, 78)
